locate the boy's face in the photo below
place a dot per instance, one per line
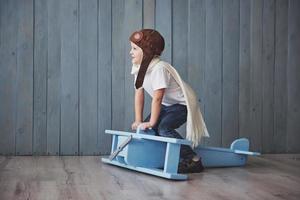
(136, 54)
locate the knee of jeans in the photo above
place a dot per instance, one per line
(164, 127)
(165, 132)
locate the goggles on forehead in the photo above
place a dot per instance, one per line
(138, 36)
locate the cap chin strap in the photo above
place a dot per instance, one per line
(142, 71)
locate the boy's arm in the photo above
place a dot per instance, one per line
(139, 104)
(156, 106)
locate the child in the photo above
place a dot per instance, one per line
(173, 101)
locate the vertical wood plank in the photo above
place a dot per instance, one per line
(163, 24)
(54, 78)
(268, 75)
(24, 88)
(244, 70)
(280, 77)
(256, 75)
(8, 76)
(134, 21)
(148, 22)
(180, 37)
(230, 100)
(213, 72)
(104, 75)
(196, 49)
(118, 65)
(69, 77)
(293, 74)
(88, 77)
(40, 78)
(149, 14)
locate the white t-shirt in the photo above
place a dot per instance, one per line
(159, 78)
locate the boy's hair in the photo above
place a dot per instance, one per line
(152, 43)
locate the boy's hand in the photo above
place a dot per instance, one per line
(135, 125)
(146, 125)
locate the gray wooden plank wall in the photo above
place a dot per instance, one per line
(65, 70)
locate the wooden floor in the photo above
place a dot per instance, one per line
(267, 177)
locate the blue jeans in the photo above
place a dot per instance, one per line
(171, 118)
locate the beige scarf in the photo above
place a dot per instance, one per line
(195, 125)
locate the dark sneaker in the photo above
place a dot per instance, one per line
(190, 166)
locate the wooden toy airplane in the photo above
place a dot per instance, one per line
(144, 152)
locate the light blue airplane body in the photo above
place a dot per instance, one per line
(144, 152)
